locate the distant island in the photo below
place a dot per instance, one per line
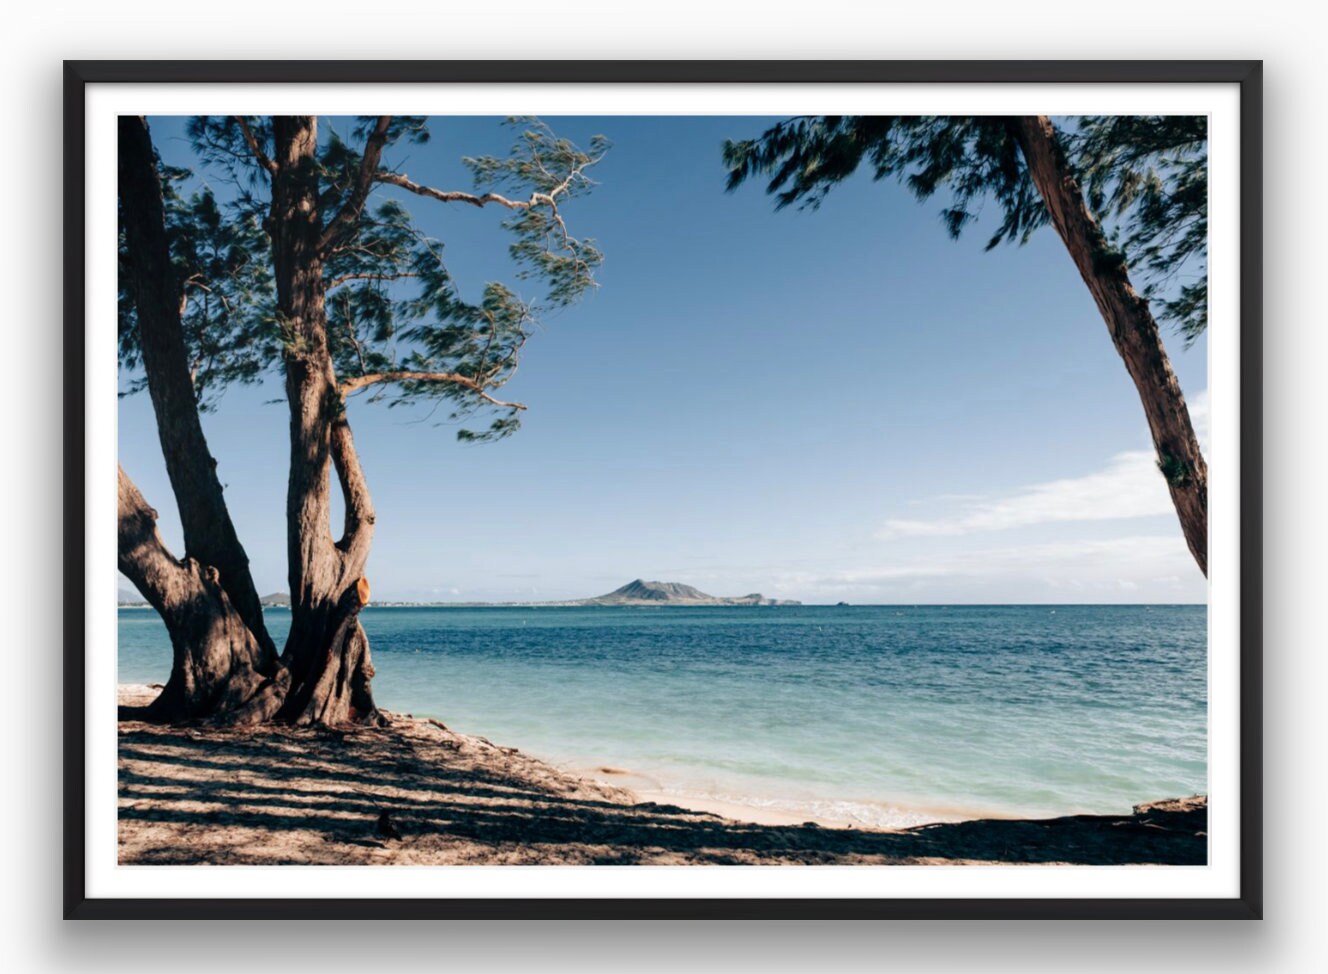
(641, 592)
(638, 592)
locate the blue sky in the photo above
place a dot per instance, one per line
(840, 404)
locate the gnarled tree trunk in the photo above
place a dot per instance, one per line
(218, 664)
(225, 665)
(1131, 325)
(222, 652)
(327, 652)
(209, 534)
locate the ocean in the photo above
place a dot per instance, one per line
(870, 715)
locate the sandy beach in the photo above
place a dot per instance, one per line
(417, 793)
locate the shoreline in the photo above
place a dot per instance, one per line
(416, 792)
(765, 808)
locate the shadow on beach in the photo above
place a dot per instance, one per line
(416, 793)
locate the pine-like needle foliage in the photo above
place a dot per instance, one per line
(398, 326)
(1145, 177)
(223, 273)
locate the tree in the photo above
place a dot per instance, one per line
(222, 652)
(1146, 179)
(343, 297)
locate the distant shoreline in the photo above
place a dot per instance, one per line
(712, 605)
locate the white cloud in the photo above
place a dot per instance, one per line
(1130, 486)
(1145, 567)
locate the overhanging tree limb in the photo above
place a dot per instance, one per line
(1020, 164)
(1131, 325)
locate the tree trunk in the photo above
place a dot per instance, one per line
(1131, 325)
(336, 687)
(221, 651)
(327, 652)
(209, 534)
(225, 665)
(218, 665)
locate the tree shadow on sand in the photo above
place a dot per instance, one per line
(420, 794)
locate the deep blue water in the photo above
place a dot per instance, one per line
(883, 714)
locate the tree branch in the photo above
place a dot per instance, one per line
(347, 386)
(346, 278)
(357, 533)
(549, 199)
(142, 556)
(254, 147)
(456, 196)
(340, 225)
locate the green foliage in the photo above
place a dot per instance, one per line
(1145, 178)
(974, 157)
(1175, 470)
(543, 166)
(392, 306)
(1108, 258)
(339, 162)
(224, 276)
(223, 153)
(499, 428)
(395, 307)
(1148, 175)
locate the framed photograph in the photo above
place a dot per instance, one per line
(663, 489)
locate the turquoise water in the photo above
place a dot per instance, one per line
(884, 715)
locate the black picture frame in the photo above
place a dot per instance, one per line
(1245, 74)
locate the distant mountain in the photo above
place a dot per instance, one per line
(640, 592)
(128, 596)
(276, 598)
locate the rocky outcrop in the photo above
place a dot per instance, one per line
(1183, 814)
